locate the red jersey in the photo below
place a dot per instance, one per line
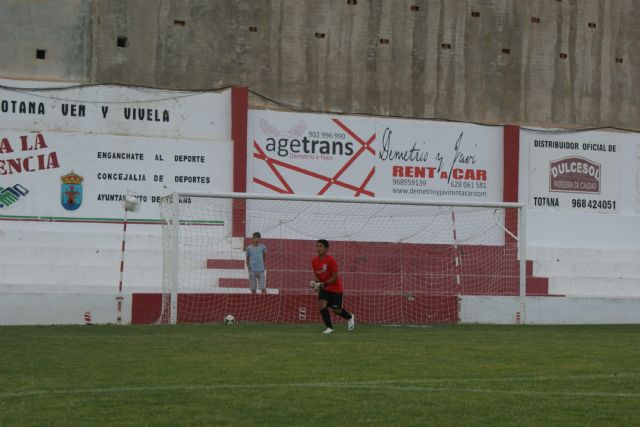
(324, 268)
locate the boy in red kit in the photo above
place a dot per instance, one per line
(329, 287)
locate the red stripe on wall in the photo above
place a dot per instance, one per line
(511, 150)
(421, 309)
(511, 163)
(239, 112)
(235, 264)
(145, 308)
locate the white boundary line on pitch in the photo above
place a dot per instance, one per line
(395, 385)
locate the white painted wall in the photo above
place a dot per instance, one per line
(78, 258)
(490, 310)
(580, 311)
(584, 252)
(549, 310)
(60, 309)
(56, 263)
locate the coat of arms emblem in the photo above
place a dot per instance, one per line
(71, 191)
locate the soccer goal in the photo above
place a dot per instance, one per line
(402, 262)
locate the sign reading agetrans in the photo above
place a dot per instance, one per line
(349, 156)
(300, 154)
(574, 173)
(79, 151)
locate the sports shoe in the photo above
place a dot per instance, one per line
(351, 323)
(328, 331)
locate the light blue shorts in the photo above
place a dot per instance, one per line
(257, 279)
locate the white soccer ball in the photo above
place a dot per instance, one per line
(229, 319)
(131, 203)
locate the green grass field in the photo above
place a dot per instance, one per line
(252, 374)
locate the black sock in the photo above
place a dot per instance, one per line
(345, 314)
(326, 317)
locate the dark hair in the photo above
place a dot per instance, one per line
(256, 234)
(323, 242)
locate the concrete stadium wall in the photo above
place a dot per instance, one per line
(63, 263)
(560, 63)
(62, 29)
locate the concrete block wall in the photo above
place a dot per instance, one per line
(539, 62)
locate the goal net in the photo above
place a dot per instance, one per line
(400, 262)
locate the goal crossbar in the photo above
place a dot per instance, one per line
(330, 199)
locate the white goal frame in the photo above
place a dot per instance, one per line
(176, 196)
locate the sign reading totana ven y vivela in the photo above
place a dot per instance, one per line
(373, 157)
(115, 110)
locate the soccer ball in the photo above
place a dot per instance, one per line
(229, 319)
(131, 203)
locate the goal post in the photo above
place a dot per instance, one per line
(401, 261)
